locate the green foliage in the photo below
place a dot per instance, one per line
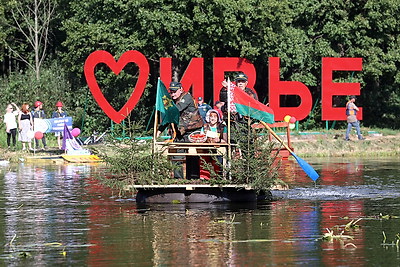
(22, 87)
(3, 29)
(299, 32)
(254, 161)
(132, 162)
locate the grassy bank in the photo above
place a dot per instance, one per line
(332, 144)
(378, 143)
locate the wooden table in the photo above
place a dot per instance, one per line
(179, 151)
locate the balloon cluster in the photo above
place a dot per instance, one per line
(39, 135)
(291, 120)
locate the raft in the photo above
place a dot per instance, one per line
(196, 193)
(81, 158)
(202, 193)
(60, 159)
(45, 159)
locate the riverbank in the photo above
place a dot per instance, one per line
(332, 144)
(306, 144)
(20, 155)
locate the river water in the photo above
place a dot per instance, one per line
(59, 214)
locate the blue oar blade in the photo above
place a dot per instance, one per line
(306, 167)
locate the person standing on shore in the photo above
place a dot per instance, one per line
(351, 112)
(11, 124)
(25, 122)
(59, 113)
(39, 114)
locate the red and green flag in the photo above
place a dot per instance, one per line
(166, 106)
(245, 105)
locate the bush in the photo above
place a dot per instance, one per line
(255, 162)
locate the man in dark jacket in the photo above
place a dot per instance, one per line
(189, 121)
(241, 81)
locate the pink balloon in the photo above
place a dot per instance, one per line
(75, 132)
(38, 135)
(292, 120)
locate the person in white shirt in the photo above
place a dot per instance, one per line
(11, 124)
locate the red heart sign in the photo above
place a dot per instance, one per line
(104, 57)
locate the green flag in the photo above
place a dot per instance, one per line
(166, 106)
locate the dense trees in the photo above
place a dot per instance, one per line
(299, 32)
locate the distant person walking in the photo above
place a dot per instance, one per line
(11, 124)
(351, 112)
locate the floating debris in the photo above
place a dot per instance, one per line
(352, 225)
(330, 236)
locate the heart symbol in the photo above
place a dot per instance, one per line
(101, 56)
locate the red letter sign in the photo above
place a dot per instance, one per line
(193, 76)
(127, 57)
(329, 88)
(224, 64)
(278, 88)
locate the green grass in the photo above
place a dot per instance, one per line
(51, 139)
(329, 143)
(333, 144)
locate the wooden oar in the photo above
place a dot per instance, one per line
(303, 164)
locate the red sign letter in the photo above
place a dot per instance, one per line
(330, 88)
(278, 88)
(224, 64)
(193, 76)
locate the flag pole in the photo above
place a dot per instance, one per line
(155, 130)
(229, 124)
(155, 120)
(229, 112)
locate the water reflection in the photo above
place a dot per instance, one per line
(41, 206)
(44, 204)
(331, 173)
(341, 180)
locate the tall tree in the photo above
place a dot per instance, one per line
(31, 22)
(299, 32)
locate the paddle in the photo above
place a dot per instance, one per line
(303, 164)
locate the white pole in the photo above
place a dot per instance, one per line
(229, 125)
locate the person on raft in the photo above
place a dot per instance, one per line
(216, 132)
(190, 121)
